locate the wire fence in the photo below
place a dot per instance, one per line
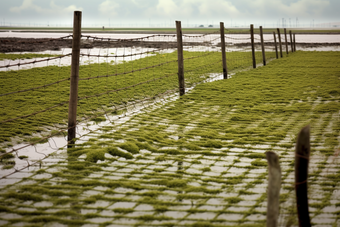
(117, 78)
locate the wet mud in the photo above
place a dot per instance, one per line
(8, 45)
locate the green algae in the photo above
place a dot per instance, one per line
(40, 99)
(130, 147)
(23, 196)
(115, 152)
(24, 56)
(156, 175)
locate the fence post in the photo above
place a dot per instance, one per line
(280, 43)
(180, 58)
(224, 59)
(275, 43)
(262, 46)
(302, 154)
(274, 186)
(294, 43)
(285, 31)
(291, 41)
(72, 109)
(252, 45)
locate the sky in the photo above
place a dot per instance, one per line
(164, 13)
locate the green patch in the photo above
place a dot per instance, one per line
(23, 196)
(35, 140)
(176, 183)
(327, 107)
(256, 156)
(259, 163)
(23, 156)
(130, 147)
(116, 152)
(95, 155)
(233, 200)
(6, 156)
(24, 56)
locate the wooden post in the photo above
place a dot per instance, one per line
(262, 47)
(286, 42)
(302, 153)
(252, 45)
(224, 59)
(180, 59)
(72, 109)
(291, 41)
(274, 186)
(294, 43)
(280, 43)
(275, 43)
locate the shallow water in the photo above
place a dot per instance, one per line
(113, 52)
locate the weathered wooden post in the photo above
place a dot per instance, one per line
(180, 58)
(302, 153)
(291, 41)
(262, 47)
(72, 109)
(224, 58)
(280, 43)
(252, 44)
(274, 186)
(294, 43)
(286, 42)
(275, 43)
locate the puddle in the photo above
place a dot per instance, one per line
(99, 204)
(204, 216)
(144, 207)
(122, 205)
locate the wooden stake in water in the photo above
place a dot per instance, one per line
(252, 45)
(262, 47)
(72, 110)
(280, 43)
(180, 58)
(274, 186)
(302, 153)
(275, 43)
(224, 59)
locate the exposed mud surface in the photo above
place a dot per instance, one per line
(43, 44)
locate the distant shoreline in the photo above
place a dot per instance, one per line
(304, 31)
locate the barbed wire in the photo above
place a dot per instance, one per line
(119, 40)
(35, 61)
(159, 84)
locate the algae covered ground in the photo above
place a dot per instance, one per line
(199, 160)
(110, 85)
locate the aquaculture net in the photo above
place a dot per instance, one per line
(117, 78)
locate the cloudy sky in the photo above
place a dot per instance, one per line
(165, 12)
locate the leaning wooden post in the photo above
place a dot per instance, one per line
(180, 59)
(280, 43)
(224, 59)
(291, 41)
(294, 43)
(262, 47)
(302, 153)
(252, 44)
(286, 42)
(72, 109)
(275, 43)
(274, 186)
